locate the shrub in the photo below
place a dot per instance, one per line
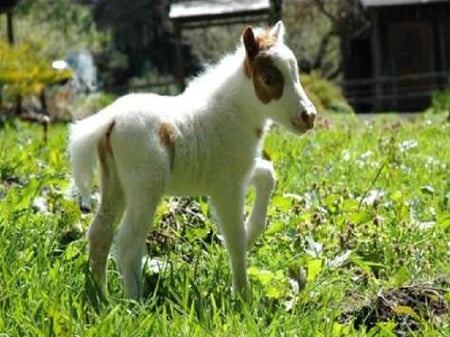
(85, 105)
(325, 95)
(64, 26)
(24, 72)
(440, 101)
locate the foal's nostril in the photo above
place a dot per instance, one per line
(308, 118)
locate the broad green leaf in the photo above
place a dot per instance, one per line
(407, 310)
(402, 276)
(274, 227)
(314, 268)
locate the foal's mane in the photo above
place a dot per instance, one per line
(214, 75)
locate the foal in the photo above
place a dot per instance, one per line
(206, 141)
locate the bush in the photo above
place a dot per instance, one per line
(24, 72)
(325, 95)
(64, 26)
(440, 101)
(83, 106)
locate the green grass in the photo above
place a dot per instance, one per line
(360, 207)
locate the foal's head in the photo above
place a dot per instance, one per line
(272, 67)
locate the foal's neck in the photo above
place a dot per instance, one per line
(228, 94)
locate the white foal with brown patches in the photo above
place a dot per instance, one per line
(206, 141)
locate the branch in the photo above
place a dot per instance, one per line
(323, 47)
(335, 73)
(321, 6)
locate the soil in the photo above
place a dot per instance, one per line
(408, 307)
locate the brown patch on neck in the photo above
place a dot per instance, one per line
(167, 137)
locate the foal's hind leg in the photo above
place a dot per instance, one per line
(263, 179)
(131, 239)
(101, 231)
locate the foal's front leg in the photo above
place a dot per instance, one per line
(229, 207)
(263, 179)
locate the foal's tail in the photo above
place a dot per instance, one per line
(84, 138)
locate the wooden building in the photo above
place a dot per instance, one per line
(400, 57)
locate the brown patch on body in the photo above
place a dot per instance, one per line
(267, 78)
(104, 148)
(108, 137)
(167, 136)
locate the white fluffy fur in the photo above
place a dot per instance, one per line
(216, 152)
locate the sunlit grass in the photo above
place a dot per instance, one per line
(359, 207)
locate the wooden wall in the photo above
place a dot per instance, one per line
(400, 60)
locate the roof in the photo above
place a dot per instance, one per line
(379, 3)
(187, 10)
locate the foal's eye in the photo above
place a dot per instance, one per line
(271, 76)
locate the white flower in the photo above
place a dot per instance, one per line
(346, 155)
(372, 197)
(366, 155)
(314, 248)
(339, 260)
(408, 145)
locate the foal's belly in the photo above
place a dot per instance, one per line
(186, 188)
(201, 179)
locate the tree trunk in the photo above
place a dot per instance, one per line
(9, 27)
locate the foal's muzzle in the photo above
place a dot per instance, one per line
(308, 117)
(304, 120)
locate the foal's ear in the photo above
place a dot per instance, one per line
(251, 46)
(278, 31)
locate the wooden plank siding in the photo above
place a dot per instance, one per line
(402, 58)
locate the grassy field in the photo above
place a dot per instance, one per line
(358, 243)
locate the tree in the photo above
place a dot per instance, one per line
(58, 28)
(316, 29)
(141, 32)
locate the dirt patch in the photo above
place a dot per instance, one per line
(408, 307)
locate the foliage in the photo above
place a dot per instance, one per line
(57, 29)
(44, 33)
(360, 207)
(212, 43)
(325, 95)
(83, 106)
(440, 101)
(315, 30)
(23, 70)
(140, 34)
(64, 105)
(306, 28)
